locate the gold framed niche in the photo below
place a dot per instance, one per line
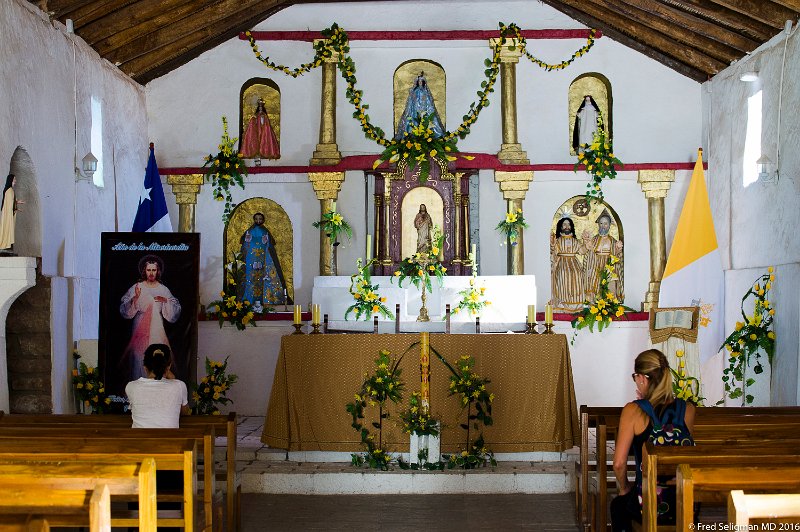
(409, 208)
(598, 87)
(404, 77)
(276, 221)
(251, 91)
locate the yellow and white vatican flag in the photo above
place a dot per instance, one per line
(694, 277)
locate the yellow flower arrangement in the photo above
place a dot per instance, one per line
(333, 224)
(383, 385)
(211, 391)
(512, 226)
(599, 162)
(225, 168)
(605, 308)
(89, 389)
(230, 308)
(420, 267)
(686, 387)
(367, 299)
(750, 336)
(473, 298)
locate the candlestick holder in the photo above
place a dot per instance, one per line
(530, 328)
(315, 327)
(297, 327)
(548, 328)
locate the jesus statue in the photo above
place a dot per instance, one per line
(423, 224)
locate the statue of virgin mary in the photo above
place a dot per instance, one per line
(419, 103)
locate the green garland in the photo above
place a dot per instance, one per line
(413, 147)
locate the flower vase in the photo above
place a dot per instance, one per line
(334, 259)
(429, 445)
(423, 311)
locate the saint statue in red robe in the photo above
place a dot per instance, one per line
(259, 140)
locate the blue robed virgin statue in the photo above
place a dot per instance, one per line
(263, 282)
(419, 103)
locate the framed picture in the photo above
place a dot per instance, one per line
(149, 294)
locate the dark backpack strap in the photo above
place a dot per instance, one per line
(647, 408)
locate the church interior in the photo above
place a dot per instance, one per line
(423, 177)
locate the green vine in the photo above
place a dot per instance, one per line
(414, 148)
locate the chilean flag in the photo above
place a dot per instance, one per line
(152, 215)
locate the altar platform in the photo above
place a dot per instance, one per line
(531, 378)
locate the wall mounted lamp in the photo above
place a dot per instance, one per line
(89, 165)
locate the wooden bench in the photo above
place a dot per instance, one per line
(742, 508)
(32, 496)
(606, 423)
(204, 435)
(169, 454)
(224, 426)
(664, 460)
(713, 483)
(24, 523)
(121, 478)
(584, 467)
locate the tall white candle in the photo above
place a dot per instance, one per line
(474, 253)
(333, 206)
(531, 313)
(369, 248)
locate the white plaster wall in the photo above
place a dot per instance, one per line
(46, 77)
(757, 225)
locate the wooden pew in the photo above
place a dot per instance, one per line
(742, 508)
(203, 435)
(223, 425)
(169, 454)
(607, 421)
(713, 483)
(32, 496)
(24, 523)
(584, 467)
(664, 460)
(122, 478)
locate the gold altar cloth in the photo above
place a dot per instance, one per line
(534, 407)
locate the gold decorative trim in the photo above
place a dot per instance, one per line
(326, 184)
(514, 185)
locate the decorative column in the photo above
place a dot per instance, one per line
(185, 188)
(655, 185)
(514, 186)
(511, 150)
(326, 186)
(327, 152)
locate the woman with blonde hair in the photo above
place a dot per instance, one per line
(655, 416)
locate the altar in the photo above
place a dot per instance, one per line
(509, 296)
(531, 378)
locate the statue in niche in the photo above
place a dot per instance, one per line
(259, 140)
(424, 225)
(9, 205)
(567, 276)
(419, 103)
(599, 249)
(263, 283)
(585, 124)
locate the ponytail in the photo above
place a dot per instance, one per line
(157, 359)
(655, 366)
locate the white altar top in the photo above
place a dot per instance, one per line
(510, 296)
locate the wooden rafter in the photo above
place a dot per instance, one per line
(94, 11)
(143, 17)
(774, 15)
(179, 52)
(725, 17)
(695, 40)
(794, 5)
(60, 7)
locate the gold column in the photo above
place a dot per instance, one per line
(511, 150)
(327, 152)
(185, 188)
(655, 185)
(326, 186)
(514, 186)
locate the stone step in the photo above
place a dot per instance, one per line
(320, 478)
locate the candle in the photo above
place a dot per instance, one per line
(369, 248)
(531, 313)
(298, 314)
(315, 314)
(548, 314)
(285, 296)
(425, 364)
(474, 253)
(333, 206)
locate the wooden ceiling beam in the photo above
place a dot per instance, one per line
(214, 25)
(725, 17)
(773, 15)
(697, 24)
(94, 11)
(134, 21)
(197, 25)
(628, 10)
(575, 11)
(794, 5)
(60, 7)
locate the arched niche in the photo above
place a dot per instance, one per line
(585, 217)
(276, 221)
(251, 91)
(404, 77)
(28, 226)
(598, 87)
(434, 205)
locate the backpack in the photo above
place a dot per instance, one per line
(669, 428)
